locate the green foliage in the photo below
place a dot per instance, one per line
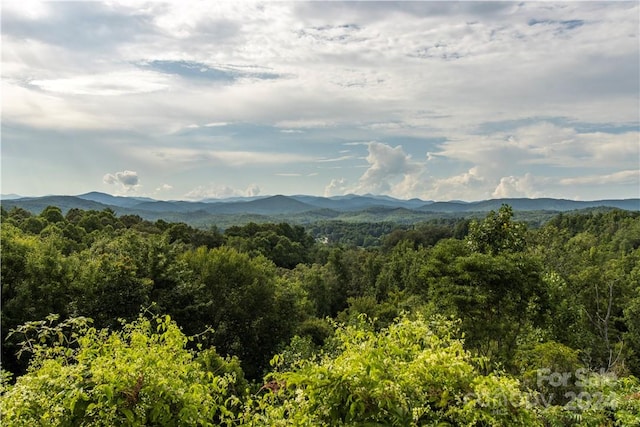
(550, 369)
(593, 283)
(194, 237)
(560, 299)
(240, 297)
(321, 288)
(498, 297)
(35, 278)
(382, 314)
(315, 329)
(425, 234)
(601, 399)
(142, 375)
(285, 245)
(401, 271)
(497, 233)
(52, 214)
(349, 234)
(412, 373)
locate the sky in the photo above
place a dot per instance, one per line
(432, 100)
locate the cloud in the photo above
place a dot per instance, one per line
(336, 187)
(199, 71)
(469, 185)
(514, 89)
(336, 159)
(301, 123)
(107, 84)
(229, 158)
(629, 177)
(127, 180)
(542, 144)
(41, 110)
(163, 188)
(87, 26)
(221, 191)
(386, 165)
(512, 186)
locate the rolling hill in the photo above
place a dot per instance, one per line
(303, 208)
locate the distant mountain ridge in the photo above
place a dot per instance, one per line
(302, 208)
(108, 199)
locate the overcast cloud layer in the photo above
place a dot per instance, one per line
(436, 100)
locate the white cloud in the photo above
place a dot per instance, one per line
(336, 159)
(386, 166)
(252, 190)
(512, 186)
(163, 188)
(30, 9)
(517, 90)
(127, 180)
(41, 110)
(221, 191)
(336, 187)
(107, 84)
(470, 185)
(301, 123)
(631, 177)
(175, 156)
(506, 162)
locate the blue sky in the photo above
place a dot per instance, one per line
(436, 100)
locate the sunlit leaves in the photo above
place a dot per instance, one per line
(412, 373)
(142, 375)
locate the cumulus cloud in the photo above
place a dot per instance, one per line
(470, 185)
(336, 187)
(164, 187)
(560, 79)
(219, 191)
(513, 186)
(127, 180)
(512, 162)
(387, 166)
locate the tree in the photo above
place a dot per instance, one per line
(283, 244)
(412, 373)
(17, 214)
(52, 214)
(110, 288)
(36, 281)
(241, 299)
(141, 375)
(401, 270)
(498, 297)
(497, 233)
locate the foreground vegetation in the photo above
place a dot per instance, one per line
(112, 320)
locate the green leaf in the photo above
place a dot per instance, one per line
(129, 414)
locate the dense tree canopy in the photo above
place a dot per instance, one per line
(356, 326)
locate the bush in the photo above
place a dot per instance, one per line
(412, 373)
(142, 375)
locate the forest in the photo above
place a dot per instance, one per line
(117, 320)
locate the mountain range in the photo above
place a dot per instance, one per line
(301, 208)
